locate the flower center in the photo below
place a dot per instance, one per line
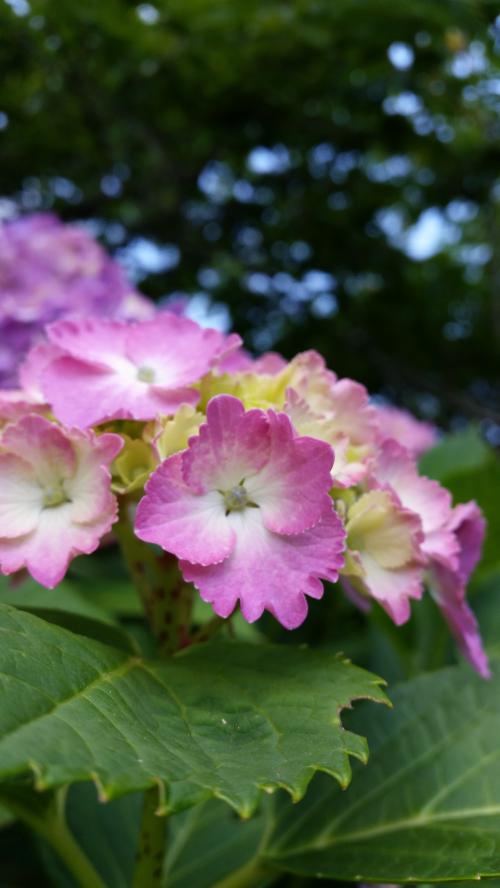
(54, 496)
(236, 499)
(146, 374)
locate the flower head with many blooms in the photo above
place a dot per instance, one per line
(263, 478)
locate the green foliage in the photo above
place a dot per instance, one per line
(459, 453)
(224, 720)
(428, 806)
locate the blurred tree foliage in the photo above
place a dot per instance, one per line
(327, 169)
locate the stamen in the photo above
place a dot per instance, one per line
(146, 374)
(54, 496)
(236, 499)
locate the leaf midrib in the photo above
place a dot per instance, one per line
(393, 826)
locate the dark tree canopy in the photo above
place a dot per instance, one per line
(327, 170)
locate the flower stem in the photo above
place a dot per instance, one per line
(166, 598)
(152, 844)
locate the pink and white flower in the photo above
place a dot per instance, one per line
(55, 498)
(451, 544)
(246, 509)
(117, 370)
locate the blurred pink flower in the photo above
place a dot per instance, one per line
(48, 270)
(401, 426)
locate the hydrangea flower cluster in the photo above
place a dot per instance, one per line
(48, 270)
(264, 478)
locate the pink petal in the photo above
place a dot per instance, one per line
(267, 571)
(47, 551)
(20, 497)
(401, 426)
(232, 446)
(449, 591)
(395, 467)
(33, 367)
(14, 403)
(89, 487)
(178, 349)
(95, 340)
(270, 363)
(292, 488)
(190, 525)
(468, 524)
(43, 445)
(83, 395)
(393, 589)
(353, 414)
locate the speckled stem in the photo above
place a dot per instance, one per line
(151, 849)
(166, 598)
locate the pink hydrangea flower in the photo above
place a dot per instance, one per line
(49, 270)
(55, 498)
(452, 541)
(116, 370)
(247, 511)
(448, 583)
(401, 426)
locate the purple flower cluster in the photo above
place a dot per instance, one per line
(49, 270)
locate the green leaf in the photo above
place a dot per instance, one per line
(224, 719)
(208, 843)
(428, 806)
(105, 632)
(30, 595)
(461, 452)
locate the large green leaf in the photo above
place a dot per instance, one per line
(224, 719)
(428, 806)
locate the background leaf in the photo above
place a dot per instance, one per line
(224, 720)
(205, 843)
(463, 451)
(428, 806)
